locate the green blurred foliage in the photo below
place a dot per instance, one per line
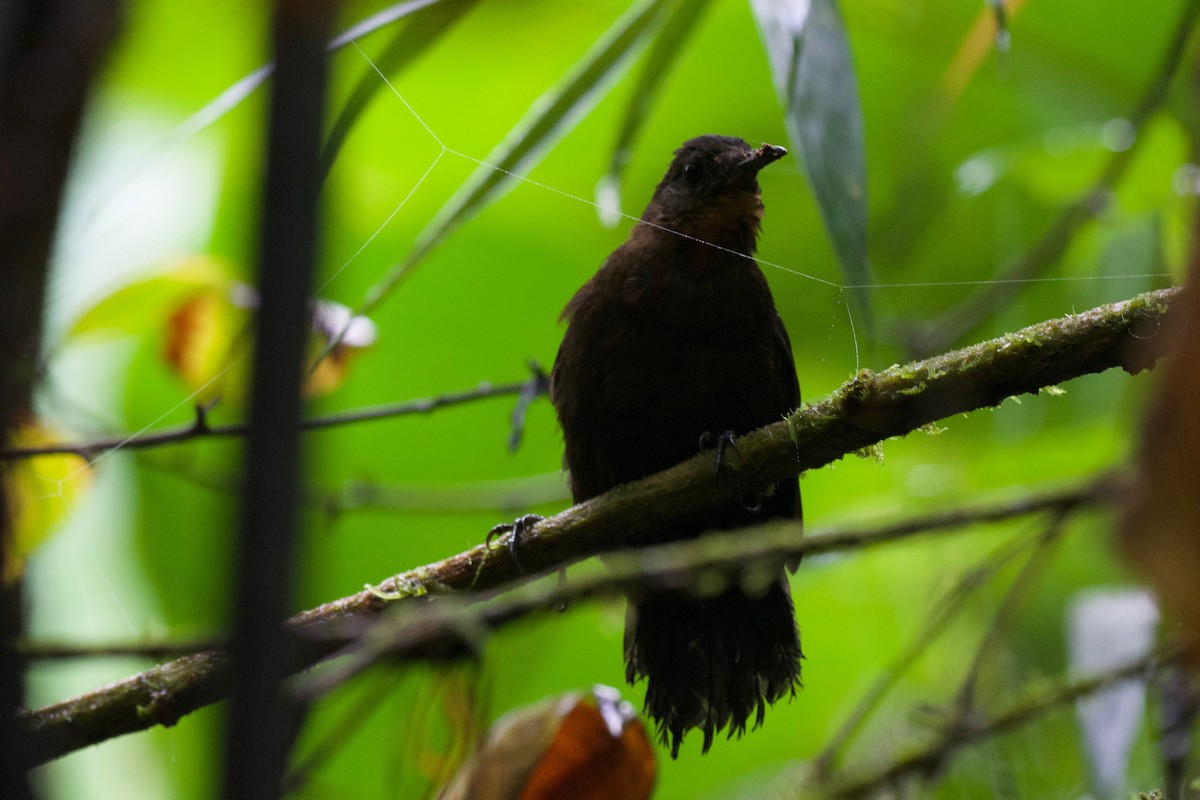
(957, 187)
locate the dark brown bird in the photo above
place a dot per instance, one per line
(675, 340)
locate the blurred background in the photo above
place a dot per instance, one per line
(1051, 145)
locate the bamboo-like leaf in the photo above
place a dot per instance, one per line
(810, 58)
(229, 99)
(378, 20)
(409, 43)
(676, 30)
(547, 119)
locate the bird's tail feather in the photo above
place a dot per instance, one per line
(712, 662)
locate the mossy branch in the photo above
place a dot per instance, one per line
(459, 623)
(870, 408)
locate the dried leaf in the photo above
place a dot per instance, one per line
(583, 747)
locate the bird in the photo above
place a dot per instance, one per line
(676, 342)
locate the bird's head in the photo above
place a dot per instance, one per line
(711, 191)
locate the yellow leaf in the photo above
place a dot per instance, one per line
(40, 491)
(139, 307)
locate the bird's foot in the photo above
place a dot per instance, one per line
(724, 442)
(721, 442)
(517, 528)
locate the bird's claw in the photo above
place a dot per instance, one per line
(721, 442)
(517, 528)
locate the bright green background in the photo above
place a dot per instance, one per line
(146, 553)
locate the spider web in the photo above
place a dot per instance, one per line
(445, 150)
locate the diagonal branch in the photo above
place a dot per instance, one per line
(932, 758)
(938, 620)
(872, 407)
(456, 624)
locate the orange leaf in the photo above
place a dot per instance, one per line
(600, 752)
(582, 747)
(201, 334)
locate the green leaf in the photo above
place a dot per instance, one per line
(378, 20)
(232, 97)
(814, 75)
(663, 52)
(550, 116)
(409, 43)
(143, 304)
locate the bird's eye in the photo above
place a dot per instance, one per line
(693, 173)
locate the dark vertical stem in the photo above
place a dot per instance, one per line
(49, 54)
(260, 719)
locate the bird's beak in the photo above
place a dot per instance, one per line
(758, 159)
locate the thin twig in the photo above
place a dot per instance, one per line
(935, 624)
(61, 651)
(934, 756)
(504, 495)
(349, 722)
(536, 386)
(201, 428)
(1018, 592)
